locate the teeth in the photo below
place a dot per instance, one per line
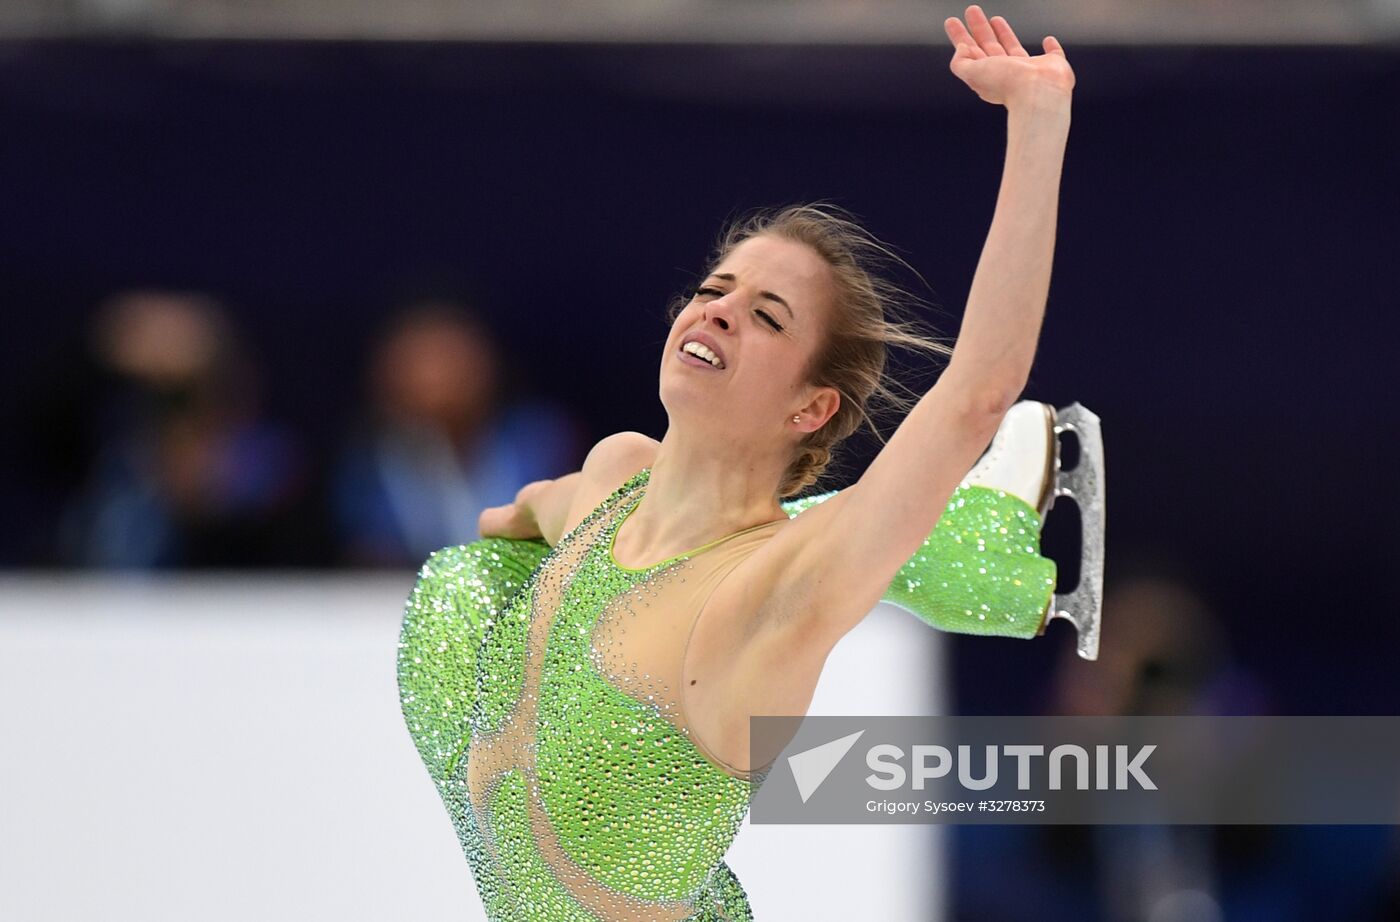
(700, 350)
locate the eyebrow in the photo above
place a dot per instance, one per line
(729, 277)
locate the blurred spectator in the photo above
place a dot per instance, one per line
(437, 446)
(176, 466)
(1163, 653)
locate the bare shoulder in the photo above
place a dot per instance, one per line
(617, 457)
(608, 465)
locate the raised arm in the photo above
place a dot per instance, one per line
(842, 558)
(1001, 324)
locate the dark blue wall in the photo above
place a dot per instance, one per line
(1224, 292)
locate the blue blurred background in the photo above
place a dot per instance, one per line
(310, 301)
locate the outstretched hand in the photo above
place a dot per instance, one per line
(989, 58)
(508, 521)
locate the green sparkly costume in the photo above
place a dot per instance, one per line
(555, 738)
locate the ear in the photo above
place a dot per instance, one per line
(821, 405)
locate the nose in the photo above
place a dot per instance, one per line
(721, 311)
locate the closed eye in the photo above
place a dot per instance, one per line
(766, 317)
(771, 322)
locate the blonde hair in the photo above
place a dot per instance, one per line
(869, 314)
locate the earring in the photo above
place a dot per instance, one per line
(797, 419)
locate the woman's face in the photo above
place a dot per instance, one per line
(760, 314)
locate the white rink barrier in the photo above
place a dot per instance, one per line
(230, 747)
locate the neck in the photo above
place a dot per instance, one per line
(701, 489)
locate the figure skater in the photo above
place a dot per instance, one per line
(579, 684)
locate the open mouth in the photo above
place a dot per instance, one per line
(695, 353)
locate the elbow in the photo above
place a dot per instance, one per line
(992, 402)
(982, 413)
(982, 394)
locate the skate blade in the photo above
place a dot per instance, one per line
(1085, 486)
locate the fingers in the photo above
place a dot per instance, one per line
(495, 521)
(958, 33)
(1052, 46)
(987, 36)
(1008, 38)
(982, 30)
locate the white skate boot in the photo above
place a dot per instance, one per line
(1024, 460)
